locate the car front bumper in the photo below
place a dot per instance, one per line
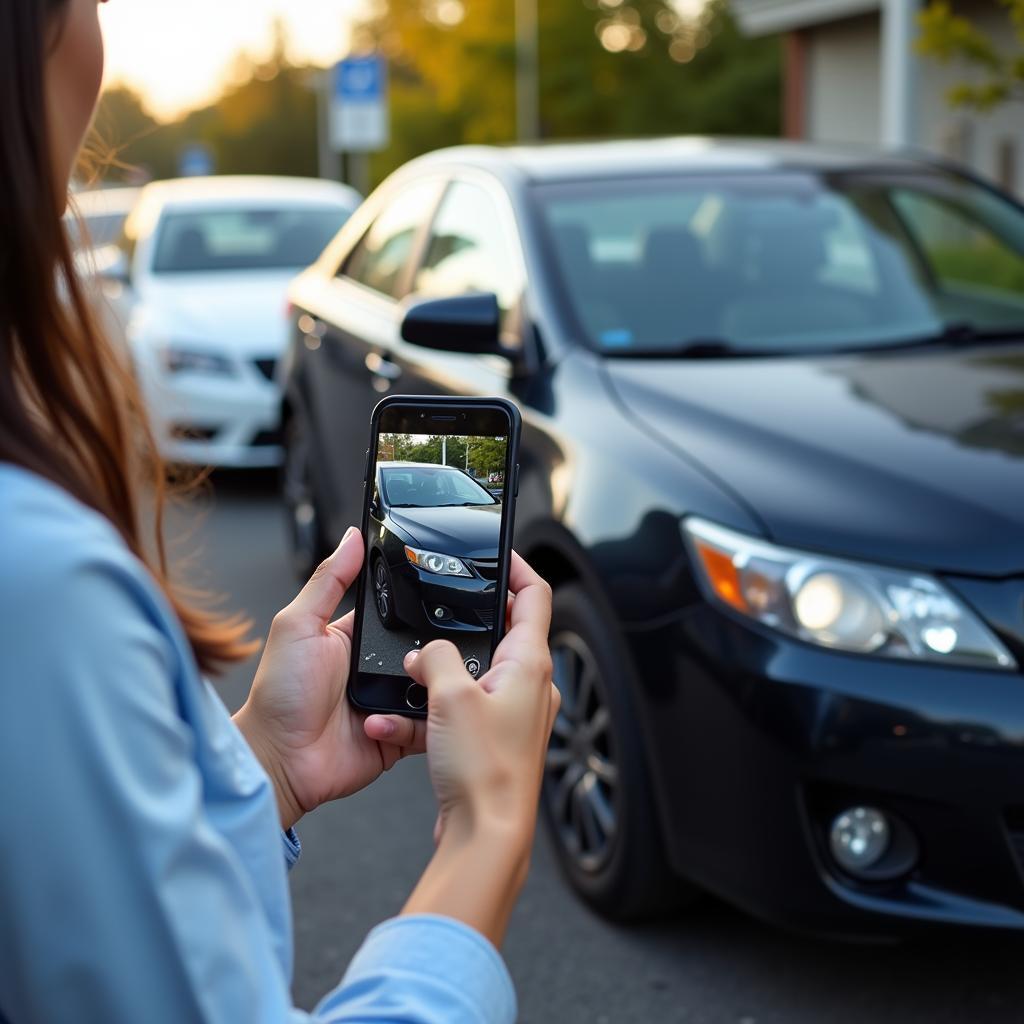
(230, 421)
(758, 741)
(467, 600)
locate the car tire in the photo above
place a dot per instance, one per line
(596, 797)
(383, 591)
(304, 523)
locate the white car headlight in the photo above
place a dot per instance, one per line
(432, 561)
(176, 359)
(846, 605)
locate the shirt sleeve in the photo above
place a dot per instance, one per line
(120, 900)
(425, 969)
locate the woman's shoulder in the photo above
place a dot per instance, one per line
(57, 553)
(46, 529)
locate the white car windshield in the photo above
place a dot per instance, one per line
(244, 239)
(432, 487)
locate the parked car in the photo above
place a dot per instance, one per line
(198, 282)
(434, 549)
(773, 467)
(95, 217)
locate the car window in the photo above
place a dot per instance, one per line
(381, 256)
(783, 261)
(260, 238)
(469, 250)
(961, 249)
(432, 487)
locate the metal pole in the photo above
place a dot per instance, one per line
(899, 25)
(328, 162)
(527, 72)
(444, 449)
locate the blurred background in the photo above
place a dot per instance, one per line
(235, 139)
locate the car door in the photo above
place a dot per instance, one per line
(355, 320)
(472, 246)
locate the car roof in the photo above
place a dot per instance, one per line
(576, 161)
(98, 202)
(247, 189)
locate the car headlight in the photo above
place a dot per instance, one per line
(432, 561)
(188, 360)
(841, 604)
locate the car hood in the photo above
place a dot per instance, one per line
(913, 458)
(471, 532)
(239, 313)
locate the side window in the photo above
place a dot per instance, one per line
(383, 253)
(469, 250)
(961, 249)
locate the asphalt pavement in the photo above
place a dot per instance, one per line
(383, 650)
(361, 857)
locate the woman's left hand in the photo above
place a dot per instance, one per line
(311, 741)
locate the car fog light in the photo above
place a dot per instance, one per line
(859, 838)
(439, 612)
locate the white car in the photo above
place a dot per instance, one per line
(102, 213)
(199, 284)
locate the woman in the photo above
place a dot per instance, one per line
(143, 867)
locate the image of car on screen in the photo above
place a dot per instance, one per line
(434, 536)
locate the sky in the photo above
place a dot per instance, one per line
(176, 53)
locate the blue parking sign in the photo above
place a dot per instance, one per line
(359, 120)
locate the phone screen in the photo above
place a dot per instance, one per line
(436, 498)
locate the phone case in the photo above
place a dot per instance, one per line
(505, 542)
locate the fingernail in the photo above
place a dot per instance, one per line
(411, 656)
(387, 727)
(348, 533)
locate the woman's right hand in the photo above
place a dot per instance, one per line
(486, 741)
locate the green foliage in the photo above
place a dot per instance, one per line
(486, 455)
(608, 68)
(998, 72)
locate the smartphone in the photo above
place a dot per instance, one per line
(442, 475)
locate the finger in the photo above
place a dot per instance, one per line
(438, 829)
(532, 603)
(320, 597)
(344, 625)
(438, 667)
(406, 733)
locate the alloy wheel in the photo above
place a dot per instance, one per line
(581, 771)
(382, 590)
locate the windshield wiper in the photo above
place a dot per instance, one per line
(956, 335)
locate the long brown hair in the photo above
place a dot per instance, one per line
(70, 408)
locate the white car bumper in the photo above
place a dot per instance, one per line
(215, 420)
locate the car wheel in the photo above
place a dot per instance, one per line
(596, 796)
(383, 594)
(303, 520)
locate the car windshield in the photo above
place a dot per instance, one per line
(432, 487)
(785, 261)
(244, 239)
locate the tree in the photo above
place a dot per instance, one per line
(999, 72)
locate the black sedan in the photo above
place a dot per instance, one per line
(433, 549)
(773, 466)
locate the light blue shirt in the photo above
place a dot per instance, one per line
(142, 868)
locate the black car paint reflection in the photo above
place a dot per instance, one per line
(438, 510)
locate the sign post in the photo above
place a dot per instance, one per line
(359, 122)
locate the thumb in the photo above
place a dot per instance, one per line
(438, 667)
(320, 597)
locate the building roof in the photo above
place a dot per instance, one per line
(761, 17)
(574, 161)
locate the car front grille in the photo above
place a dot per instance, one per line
(486, 617)
(267, 367)
(487, 568)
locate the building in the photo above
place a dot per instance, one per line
(852, 76)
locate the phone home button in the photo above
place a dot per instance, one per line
(416, 696)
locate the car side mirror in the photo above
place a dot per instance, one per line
(461, 323)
